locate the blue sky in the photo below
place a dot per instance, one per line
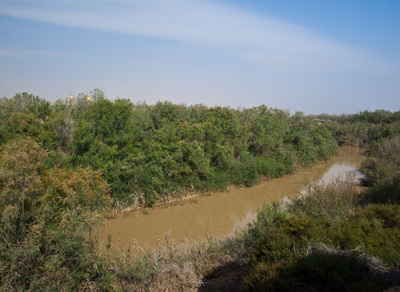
(312, 56)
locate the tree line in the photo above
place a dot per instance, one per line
(149, 152)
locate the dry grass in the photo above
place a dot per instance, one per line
(335, 201)
(188, 266)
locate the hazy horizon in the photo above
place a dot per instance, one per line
(309, 56)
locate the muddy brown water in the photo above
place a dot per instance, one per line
(222, 213)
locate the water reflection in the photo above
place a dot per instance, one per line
(222, 213)
(341, 170)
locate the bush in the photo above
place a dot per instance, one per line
(376, 230)
(382, 172)
(283, 256)
(335, 201)
(48, 220)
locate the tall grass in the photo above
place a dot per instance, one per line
(171, 266)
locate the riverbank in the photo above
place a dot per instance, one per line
(222, 213)
(286, 249)
(189, 196)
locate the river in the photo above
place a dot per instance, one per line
(222, 213)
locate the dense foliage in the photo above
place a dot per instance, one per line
(362, 128)
(148, 152)
(63, 164)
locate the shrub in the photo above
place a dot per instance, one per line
(382, 172)
(48, 220)
(335, 201)
(360, 245)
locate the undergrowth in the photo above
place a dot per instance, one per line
(325, 241)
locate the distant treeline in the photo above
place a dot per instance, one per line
(362, 128)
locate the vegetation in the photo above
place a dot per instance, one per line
(330, 239)
(362, 128)
(382, 172)
(48, 216)
(147, 153)
(63, 165)
(304, 247)
(333, 237)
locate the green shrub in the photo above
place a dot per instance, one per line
(375, 230)
(333, 272)
(283, 257)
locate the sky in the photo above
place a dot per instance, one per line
(313, 56)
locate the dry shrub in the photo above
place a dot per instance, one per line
(382, 173)
(166, 268)
(47, 222)
(335, 201)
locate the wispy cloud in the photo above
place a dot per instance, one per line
(53, 54)
(263, 41)
(6, 53)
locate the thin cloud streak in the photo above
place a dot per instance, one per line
(267, 43)
(19, 54)
(8, 54)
